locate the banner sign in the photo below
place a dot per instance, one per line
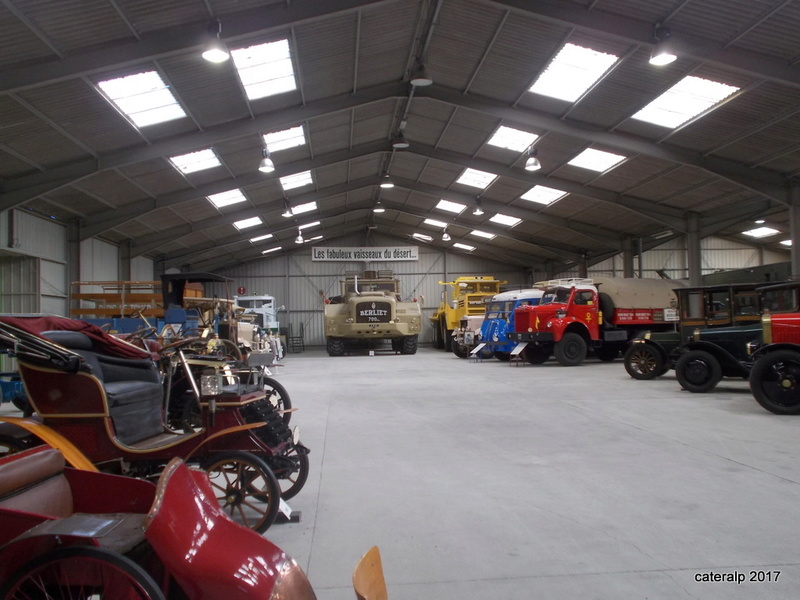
(377, 253)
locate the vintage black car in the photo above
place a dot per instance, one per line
(701, 308)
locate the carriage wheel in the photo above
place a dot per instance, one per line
(291, 470)
(81, 573)
(279, 398)
(246, 488)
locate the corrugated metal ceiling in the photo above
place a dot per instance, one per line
(66, 153)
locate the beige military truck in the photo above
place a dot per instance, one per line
(368, 311)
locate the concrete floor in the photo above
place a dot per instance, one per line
(486, 480)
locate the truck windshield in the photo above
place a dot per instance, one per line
(555, 296)
(495, 310)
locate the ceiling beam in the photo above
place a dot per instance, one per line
(177, 40)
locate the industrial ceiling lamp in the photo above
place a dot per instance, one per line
(663, 52)
(420, 77)
(266, 166)
(477, 211)
(445, 235)
(287, 209)
(299, 238)
(399, 142)
(378, 207)
(386, 182)
(215, 50)
(532, 164)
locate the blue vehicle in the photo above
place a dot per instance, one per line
(499, 321)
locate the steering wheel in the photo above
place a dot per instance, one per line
(140, 334)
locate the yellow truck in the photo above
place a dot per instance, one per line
(468, 298)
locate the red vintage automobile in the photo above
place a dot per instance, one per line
(775, 375)
(107, 397)
(81, 534)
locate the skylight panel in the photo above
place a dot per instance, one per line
(761, 232)
(226, 198)
(542, 194)
(786, 242)
(505, 220)
(304, 208)
(316, 238)
(295, 181)
(573, 71)
(422, 237)
(265, 69)
(245, 223)
(685, 100)
(260, 238)
(307, 225)
(195, 161)
(269, 250)
(596, 160)
(453, 207)
(512, 139)
(144, 98)
(475, 178)
(482, 234)
(288, 138)
(434, 223)
(466, 247)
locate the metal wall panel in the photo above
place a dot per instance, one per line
(99, 261)
(142, 269)
(19, 284)
(53, 287)
(26, 233)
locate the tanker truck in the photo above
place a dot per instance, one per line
(601, 315)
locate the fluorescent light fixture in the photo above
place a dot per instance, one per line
(505, 220)
(596, 160)
(226, 198)
(453, 207)
(512, 139)
(422, 237)
(685, 100)
(195, 161)
(144, 98)
(378, 207)
(316, 238)
(475, 178)
(786, 242)
(761, 232)
(246, 223)
(275, 249)
(307, 225)
(287, 138)
(260, 238)
(482, 234)
(466, 247)
(297, 180)
(265, 69)
(304, 208)
(573, 71)
(541, 194)
(434, 223)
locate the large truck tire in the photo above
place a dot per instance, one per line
(607, 306)
(334, 346)
(438, 336)
(460, 350)
(571, 350)
(502, 356)
(409, 345)
(537, 355)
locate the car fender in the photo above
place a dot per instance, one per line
(730, 364)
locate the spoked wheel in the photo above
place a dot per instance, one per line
(246, 488)
(279, 398)
(81, 573)
(643, 361)
(291, 470)
(775, 382)
(698, 371)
